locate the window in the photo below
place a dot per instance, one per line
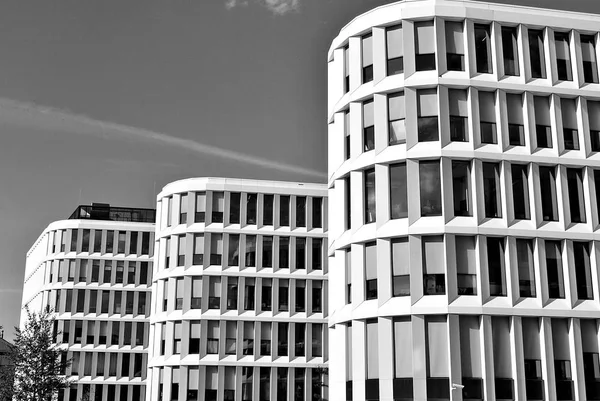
(198, 256)
(95, 270)
(317, 296)
(233, 250)
(398, 191)
(317, 340)
(85, 241)
(346, 51)
(536, 54)
(165, 294)
(93, 301)
(300, 334)
(196, 293)
(543, 131)
(300, 296)
(510, 50)
(424, 46)
(459, 121)
(317, 253)
(569, 118)
(181, 250)
(110, 235)
(427, 115)
(141, 304)
(266, 295)
(455, 46)
(193, 384)
(284, 252)
(284, 210)
(583, 273)
(114, 340)
(230, 337)
(218, 206)
(520, 189)
(133, 242)
(347, 203)
(121, 243)
(177, 338)
(265, 339)
(251, 200)
(400, 268)
(128, 302)
(395, 50)
(200, 215)
(437, 358)
(268, 210)
(588, 56)
(461, 177)
(174, 384)
(97, 241)
(516, 133)
(183, 208)
(234, 207)
(576, 197)
(300, 253)
(74, 234)
(491, 190)
(554, 269)
(71, 271)
(434, 272)
(232, 293)
(299, 383)
(83, 264)
(466, 261)
(283, 295)
(143, 272)
(117, 302)
(212, 337)
(214, 292)
(563, 56)
(194, 344)
(346, 134)
(249, 294)
(348, 275)
(250, 257)
(430, 188)
(525, 268)
(300, 211)
(403, 350)
(368, 126)
(483, 49)
(216, 249)
(396, 116)
(105, 302)
(367, 58)
(119, 272)
(179, 294)
(370, 215)
(317, 212)
(371, 270)
(548, 193)
(372, 360)
(167, 252)
(267, 252)
(594, 123)
(145, 243)
(487, 117)
(282, 339)
(248, 345)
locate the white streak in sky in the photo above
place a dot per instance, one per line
(277, 7)
(129, 132)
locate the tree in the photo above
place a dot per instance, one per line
(6, 375)
(39, 371)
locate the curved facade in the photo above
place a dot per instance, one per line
(464, 142)
(94, 272)
(240, 291)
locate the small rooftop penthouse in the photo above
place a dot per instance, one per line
(103, 211)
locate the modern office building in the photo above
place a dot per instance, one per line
(464, 184)
(94, 271)
(239, 307)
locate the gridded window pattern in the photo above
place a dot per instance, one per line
(102, 392)
(89, 241)
(194, 383)
(248, 209)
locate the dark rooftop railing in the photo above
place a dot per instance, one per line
(103, 211)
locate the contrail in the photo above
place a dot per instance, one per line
(157, 137)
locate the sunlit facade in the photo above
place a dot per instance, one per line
(464, 159)
(239, 307)
(94, 272)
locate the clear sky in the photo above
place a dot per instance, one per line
(107, 101)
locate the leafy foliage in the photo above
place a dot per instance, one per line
(38, 370)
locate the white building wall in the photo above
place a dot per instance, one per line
(535, 214)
